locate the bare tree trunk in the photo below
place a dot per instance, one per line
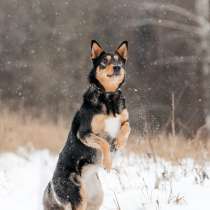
(173, 130)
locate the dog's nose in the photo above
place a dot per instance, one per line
(116, 69)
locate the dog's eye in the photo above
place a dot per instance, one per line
(104, 62)
(120, 63)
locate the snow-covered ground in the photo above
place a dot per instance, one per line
(135, 183)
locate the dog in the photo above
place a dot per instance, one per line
(101, 126)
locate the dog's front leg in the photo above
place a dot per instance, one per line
(101, 144)
(124, 131)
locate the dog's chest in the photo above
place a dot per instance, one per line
(112, 126)
(106, 124)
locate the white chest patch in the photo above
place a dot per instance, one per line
(112, 126)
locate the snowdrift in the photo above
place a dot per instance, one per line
(135, 183)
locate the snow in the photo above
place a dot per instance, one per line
(135, 183)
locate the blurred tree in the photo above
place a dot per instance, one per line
(45, 51)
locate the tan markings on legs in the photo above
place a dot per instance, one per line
(83, 194)
(97, 123)
(122, 136)
(94, 191)
(124, 132)
(124, 116)
(97, 142)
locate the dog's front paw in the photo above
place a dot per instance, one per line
(107, 163)
(122, 137)
(120, 144)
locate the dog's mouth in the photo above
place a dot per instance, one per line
(115, 74)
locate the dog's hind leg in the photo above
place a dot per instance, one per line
(83, 198)
(70, 192)
(49, 200)
(94, 192)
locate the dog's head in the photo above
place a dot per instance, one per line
(108, 70)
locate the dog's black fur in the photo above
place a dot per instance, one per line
(76, 154)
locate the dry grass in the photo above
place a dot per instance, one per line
(24, 130)
(170, 148)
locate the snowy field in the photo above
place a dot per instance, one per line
(135, 183)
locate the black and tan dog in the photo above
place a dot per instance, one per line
(99, 127)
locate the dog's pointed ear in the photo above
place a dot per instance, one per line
(96, 49)
(122, 50)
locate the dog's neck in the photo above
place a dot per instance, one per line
(97, 97)
(106, 94)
